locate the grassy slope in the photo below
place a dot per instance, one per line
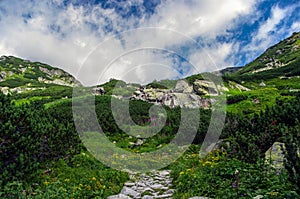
(281, 82)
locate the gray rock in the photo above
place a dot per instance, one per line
(275, 154)
(203, 87)
(148, 197)
(98, 91)
(183, 86)
(258, 197)
(164, 196)
(2, 76)
(157, 186)
(129, 184)
(119, 196)
(130, 192)
(170, 191)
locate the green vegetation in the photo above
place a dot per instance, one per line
(42, 156)
(41, 153)
(248, 138)
(214, 177)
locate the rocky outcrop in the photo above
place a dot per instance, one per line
(234, 85)
(7, 90)
(183, 95)
(98, 91)
(53, 72)
(173, 99)
(183, 87)
(203, 87)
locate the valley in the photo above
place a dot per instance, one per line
(43, 156)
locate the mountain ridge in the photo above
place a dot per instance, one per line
(276, 71)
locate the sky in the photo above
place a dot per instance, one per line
(143, 40)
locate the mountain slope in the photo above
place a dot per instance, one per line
(280, 60)
(18, 75)
(274, 74)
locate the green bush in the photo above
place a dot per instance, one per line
(214, 177)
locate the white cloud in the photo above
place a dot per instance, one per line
(64, 37)
(295, 27)
(269, 32)
(200, 17)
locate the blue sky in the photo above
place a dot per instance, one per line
(186, 37)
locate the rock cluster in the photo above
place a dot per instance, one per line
(184, 95)
(157, 184)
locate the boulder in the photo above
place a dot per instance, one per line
(274, 155)
(203, 87)
(5, 90)
(2, 76)
(183, 86)
(98, 91)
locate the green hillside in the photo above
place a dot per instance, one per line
(280, 60)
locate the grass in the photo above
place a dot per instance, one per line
(20, 102)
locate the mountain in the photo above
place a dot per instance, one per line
(273, 75)
(18, 75)
(281, 60)
(42, 154)
(31, 81)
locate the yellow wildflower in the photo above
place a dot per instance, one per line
(207, 163)
(88, 187)
(99, 185)
(93, 178)
(46, 183)
(188, 170)
(181, 173)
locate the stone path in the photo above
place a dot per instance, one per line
(157, 184)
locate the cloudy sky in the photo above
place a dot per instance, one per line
(143, 40)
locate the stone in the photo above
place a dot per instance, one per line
(2, 76)
(156, 184)
(170, 191)
(130, 192)
(258, 197)
(98, 91)
(275, 155)
(203, 87)
(262, 84)
(183, 86)
(164, 173)
(5, 90)
(139, 142)
(129, 184)
(148, 197)
(164, 196)
(119, 196)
